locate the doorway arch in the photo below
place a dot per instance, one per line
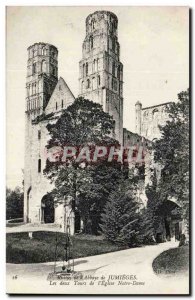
(47, 209)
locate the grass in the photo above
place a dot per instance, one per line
(21, 249)
(173, 261)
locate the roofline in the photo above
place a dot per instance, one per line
(157, 105)
(42, 43)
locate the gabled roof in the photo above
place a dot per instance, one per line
(60, 98)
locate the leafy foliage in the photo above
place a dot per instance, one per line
(84, 123)
(172, 152)
(120, 220)
(14, 203)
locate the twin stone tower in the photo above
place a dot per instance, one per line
(100, 80)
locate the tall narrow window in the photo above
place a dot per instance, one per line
(113, 68)
(94, 65)
(88, 83)
(83, 69)
(86, 69)
(99, 81)
(62, 103)
(34, 68)
(91, 42)
(56, 105)
(43, 66)
(39, 165)
(39, 134)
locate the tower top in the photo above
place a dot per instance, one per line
(42, 44)
(102, 14)
(102, 21)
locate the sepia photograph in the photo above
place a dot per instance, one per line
(98, 150)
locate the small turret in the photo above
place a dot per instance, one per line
(138, 110)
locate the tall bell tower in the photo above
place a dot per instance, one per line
(41, 80)
(42, 76)
(101, 72)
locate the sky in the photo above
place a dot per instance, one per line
(154, 45)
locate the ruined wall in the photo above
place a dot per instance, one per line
(149, 118)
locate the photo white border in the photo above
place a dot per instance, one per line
(3, 4)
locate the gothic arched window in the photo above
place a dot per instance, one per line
(39, 165)
(86, 69)
(34, 68)
(56, 105)
(91, 42)
(155, 113)
(83, 69)
(88, 83)
(94, 65)
(43, 66)
(44, 51)
(99, 80)
(93, 83)
(62, 103)
(113, 68)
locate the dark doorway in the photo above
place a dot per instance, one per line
(47, 209)
(177, 232)
(167, 229)
(77, 221)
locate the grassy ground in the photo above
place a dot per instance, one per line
(21, 249)
(172, 261)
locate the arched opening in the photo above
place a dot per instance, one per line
(86, 69)
(170, 214)
(91, 42)
(47, 209)
(33, 68)
(43, 67)
(88, 83)
(83, 69)
(113, 68)
(99, 81)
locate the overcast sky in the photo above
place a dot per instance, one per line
(154, 51)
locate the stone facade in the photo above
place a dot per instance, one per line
(45, 94)
(100, 80)
(149, 118)
(101, 72)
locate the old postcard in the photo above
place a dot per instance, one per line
(98, 197)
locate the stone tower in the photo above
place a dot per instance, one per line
(101, 72)
(42, 77)
(138, 114)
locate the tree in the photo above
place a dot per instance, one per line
(14, 203)
(151, 220)
(84, 123)
(121, 217)
(172, 152)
